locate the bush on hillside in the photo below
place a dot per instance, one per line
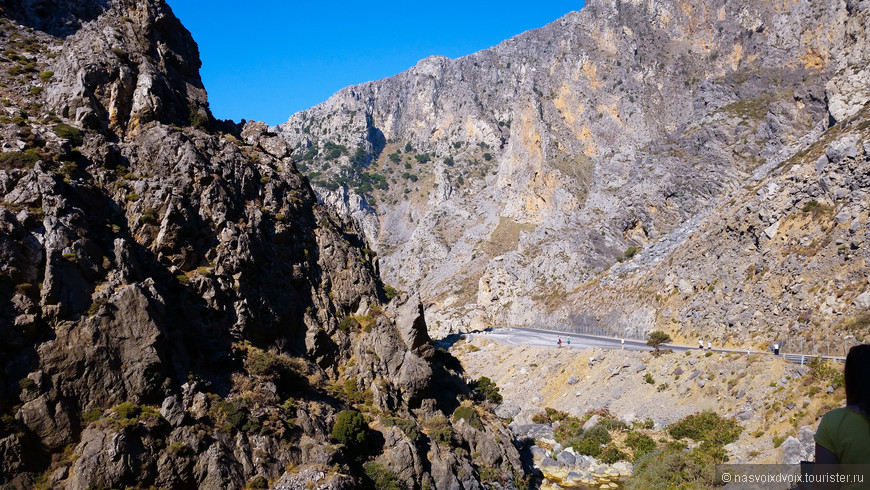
(350, 429)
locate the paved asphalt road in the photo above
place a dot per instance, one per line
(536, 337)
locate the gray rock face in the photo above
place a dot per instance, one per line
(542, 160)
(565, 458)
(532, 432)
(793, 451)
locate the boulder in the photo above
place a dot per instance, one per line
(592, 422)
(566, 458)
(793, 451)
(533, 432)
(173, 411)
(845, 147)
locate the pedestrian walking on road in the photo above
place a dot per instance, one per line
(701, 344)
(623, 343)
(559, 342)
(569, 341)
(776, 349)
(710, 345)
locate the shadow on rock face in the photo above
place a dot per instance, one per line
(56, 18)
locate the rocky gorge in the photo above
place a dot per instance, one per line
(197, 303)
(593, 173)
(178, 309)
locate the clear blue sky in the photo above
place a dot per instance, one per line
(267, 59)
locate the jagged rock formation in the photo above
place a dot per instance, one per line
(178, 311)
(505, 181)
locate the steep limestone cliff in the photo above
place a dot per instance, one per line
(505, 180)
(178, 311)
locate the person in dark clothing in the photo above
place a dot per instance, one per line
(843, 436)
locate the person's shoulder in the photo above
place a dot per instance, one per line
(835, 414)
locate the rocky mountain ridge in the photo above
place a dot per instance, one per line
(178, 311)
(504, 183)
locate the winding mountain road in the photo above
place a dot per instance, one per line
(537, 337)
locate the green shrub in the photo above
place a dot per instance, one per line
(592, 441)
(334, 150)
(613, 424)
(487, 156)
(149, 215)
(640, 444)
(599, 434)
(380, 477)
(26, 384)
(46, 76)
(569, 429)
(646, 423)
(588, 447)
(350, 392)
(422, 158)
(827, 371)
(631, 252)
(35, 90)
(18, 159)
(199, 120)
(540, 418)
(278, 368)
(258, 482)
(469, 415)
(409, 427)
(127, 410)
(92, 415)
(439, 430)
(655, 340)
(348, 324)
(673, 468)
(26, 289)
(390, 291)
(485, 389)
(707, 427)
(816, 209)
(234, 414)
(611, 454)
(649, 379)
(350, 429)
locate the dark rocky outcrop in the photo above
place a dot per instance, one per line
(177, 308)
